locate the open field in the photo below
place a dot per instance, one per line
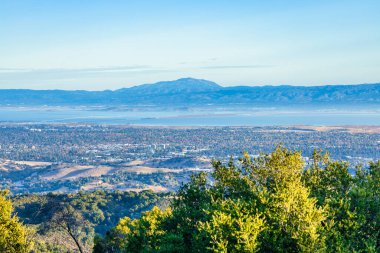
(350, 129)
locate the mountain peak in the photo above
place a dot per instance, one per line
(182, 85)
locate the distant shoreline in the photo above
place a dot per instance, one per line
(370, 129)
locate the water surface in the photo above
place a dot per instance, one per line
(193, 117)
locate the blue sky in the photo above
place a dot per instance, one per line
(102, 44)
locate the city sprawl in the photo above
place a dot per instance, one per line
(69, 158)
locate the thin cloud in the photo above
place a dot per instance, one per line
(236, 66)
(77, 70)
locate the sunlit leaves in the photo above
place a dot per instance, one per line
(271, 203)
(12, 232)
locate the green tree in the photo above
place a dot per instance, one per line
(250, 205)
(147, 234)
(189, 207)
(233, 228)
(12, 232)
(271, 185)
(271, 203)
(351, 203)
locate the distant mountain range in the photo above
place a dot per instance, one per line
(190, 91)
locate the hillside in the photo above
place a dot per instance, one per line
(189, 91)
(99, 210)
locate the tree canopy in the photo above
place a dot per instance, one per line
(271, 203)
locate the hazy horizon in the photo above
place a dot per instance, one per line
(224, 86)
(101, 45)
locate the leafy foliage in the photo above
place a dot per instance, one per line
(352, 204)
(12, 232)
(272, 203)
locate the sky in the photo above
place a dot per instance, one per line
(102, 44)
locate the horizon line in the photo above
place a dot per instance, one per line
(201, 79)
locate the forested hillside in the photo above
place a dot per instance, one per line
(57, 221)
